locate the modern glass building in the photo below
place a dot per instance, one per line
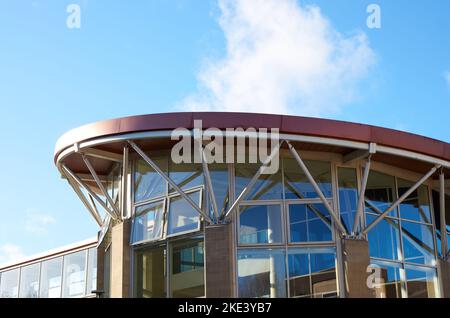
(352, 210)
(66, 272)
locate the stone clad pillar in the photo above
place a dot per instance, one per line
(356, 260)
(120, 260)
(219, 261)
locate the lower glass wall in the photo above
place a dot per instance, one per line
(182, 259)
(311, 272)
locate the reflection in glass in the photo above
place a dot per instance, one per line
(150, 273)
(29, 281)
(296, 183)
(267, 187)
(187, 275)
(389, 284)
(9, 284)
(261, 273)
(380, 192)
(416, 206)
(312, 272)
(437, 218)
(182, 216)
(74, 277)
(309, 223)
(384, 238)
(421, 282)
(92, 271)
(219, 180)
(148, 223)
(348, 196)
(260, 224)
(418, 245)
(186, 175)
(51, 278)
(147, 183)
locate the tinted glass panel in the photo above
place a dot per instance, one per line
(92, 271)
(185, 175)
(389, 284)
(219, 179)
(261, 273)
(297, 185)
(51, 278)
(416, 207)
(380, 192)
(268, 186)
(9, 284)
(418, 245)
(348, 196)
(187, 279)
(260, 224)
(147, 183)
(384, 238)
(148, 223)
(150, 273)
(421, 282)
(29, 281)
(182, 216)
(74, 276)
(309, 223)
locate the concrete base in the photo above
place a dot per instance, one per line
(445, 278)
(219, 261)
(120, 260)
(356, 260)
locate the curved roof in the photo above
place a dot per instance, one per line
(286, 124)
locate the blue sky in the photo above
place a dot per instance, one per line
(156, 56)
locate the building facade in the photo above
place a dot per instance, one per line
(66, 272)
(351, 210)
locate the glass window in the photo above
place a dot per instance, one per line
(296, 183)
(149, 222)
(74, 276)
(92, 271)
(437, 217)
(51, 277)
(418, 245)
(186, 175)
(187, 275)
(348, 196)
(29, 281)
(309, 223)
(151, 273)
(219, 180)
(182, 216)
(312, 272)
(147, 183)
(384, 238)
(267, 187)
(261, 273)
(9, 284)
(260, 224)
(416, 206)
(389, 284)
(421, 282)
(380, 192)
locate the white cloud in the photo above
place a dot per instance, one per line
(10, 252)
(281, 57)
(447, 78)
(37, 223)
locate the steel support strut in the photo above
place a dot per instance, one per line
(400, 200)
(337, 222)
(252, 182)
(92, 193)
(360, 207)
(208, 180)
(170, 181)
(442, 216)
